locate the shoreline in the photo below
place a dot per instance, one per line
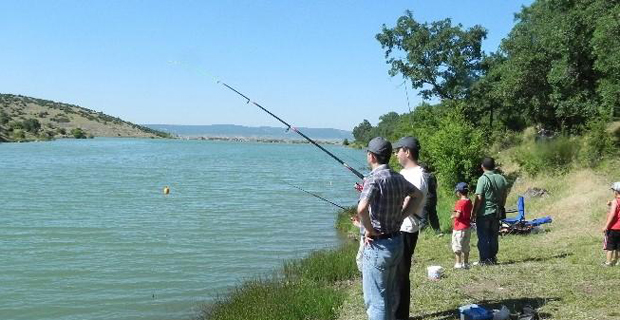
(205, 138)
(314, 287)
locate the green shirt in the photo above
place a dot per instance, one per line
(491, 199)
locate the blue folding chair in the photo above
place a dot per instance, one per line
(518, 224)
(520, 209)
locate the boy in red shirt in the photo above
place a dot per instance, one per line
(461, 231)
(612, 228)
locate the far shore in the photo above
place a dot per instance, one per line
(202, 138)
(260, 139)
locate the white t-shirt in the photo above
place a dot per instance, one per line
(418, 178)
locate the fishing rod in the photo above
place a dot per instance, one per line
(316, 196)
(289, 127)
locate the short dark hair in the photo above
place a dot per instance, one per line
(415, 153)
(382, 159)
(488, 163)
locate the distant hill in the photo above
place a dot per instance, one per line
(25, 118)
(237, 131)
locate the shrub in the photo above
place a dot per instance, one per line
(4, 118)
(455, 150)
(78, 133)
(18, 134)
(31, 125)
(16, 125)
(596, 144)
(60, 118)
(547, 156)
(506, 139)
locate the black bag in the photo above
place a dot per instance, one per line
(500, 213)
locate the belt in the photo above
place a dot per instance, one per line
(386, 235)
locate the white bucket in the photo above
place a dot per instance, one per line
(502, 314)
(434, 272)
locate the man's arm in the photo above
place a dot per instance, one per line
(477, 203)
(412, 203)
(364, 215)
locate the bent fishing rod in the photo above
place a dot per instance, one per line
(289, 127)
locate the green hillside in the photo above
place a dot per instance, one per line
(30, 119)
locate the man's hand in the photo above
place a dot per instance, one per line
(359, 187)
(604, 229)
(368, 236)
(356, 221)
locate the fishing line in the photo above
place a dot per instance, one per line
(315, 195)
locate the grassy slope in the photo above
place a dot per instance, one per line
(559, 271)
(97, 124)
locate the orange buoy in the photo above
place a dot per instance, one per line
(166, 190)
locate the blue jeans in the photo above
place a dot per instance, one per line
(379, 277)
(488, 234)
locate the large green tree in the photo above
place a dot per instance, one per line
(557, 70)
(362, 132)
(440, 59)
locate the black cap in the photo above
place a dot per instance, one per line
(410, 143)
(380, 146)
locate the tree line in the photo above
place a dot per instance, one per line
(558, 71)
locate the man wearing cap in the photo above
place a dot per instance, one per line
(491, 193)
(387, 197)
(407, 151)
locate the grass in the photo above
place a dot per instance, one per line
(309, 288)
(558, 272)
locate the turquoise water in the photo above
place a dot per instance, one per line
(87, 233)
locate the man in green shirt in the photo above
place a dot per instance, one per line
(491, 192)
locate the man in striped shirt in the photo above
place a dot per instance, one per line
(387, 198)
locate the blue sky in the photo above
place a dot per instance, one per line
(313, 63)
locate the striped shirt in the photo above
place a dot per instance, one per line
(385, 191)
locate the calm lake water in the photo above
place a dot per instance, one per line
(87, 233)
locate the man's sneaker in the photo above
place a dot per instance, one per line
(465, 266)
(458, 266)
(608, 264)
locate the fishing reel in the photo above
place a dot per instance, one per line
(358, 186)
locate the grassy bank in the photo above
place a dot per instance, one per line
(311, 288)
(558, 272)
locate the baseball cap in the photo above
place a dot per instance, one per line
(461, 187)
(615, 186)
(380, 146)
(407, 142)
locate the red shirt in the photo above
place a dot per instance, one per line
(464, 220)
(615, 222)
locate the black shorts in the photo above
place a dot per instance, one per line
(612, 240)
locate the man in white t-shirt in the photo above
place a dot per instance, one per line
(407, 151)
